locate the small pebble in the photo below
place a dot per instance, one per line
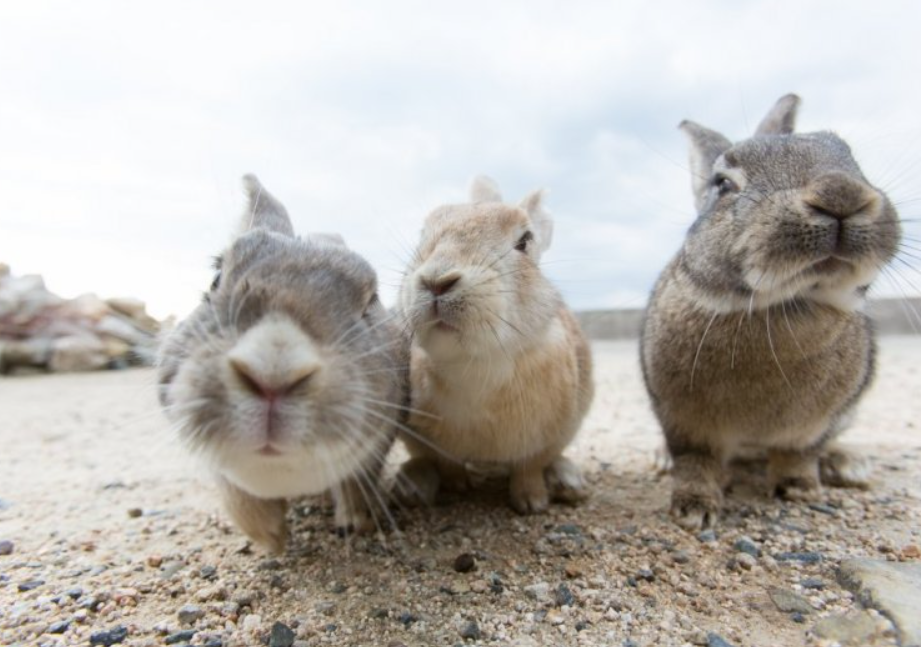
(29, 585)
(109, 637)
(134, 513)
(569, 529)
(6, 547)
(911, 551)
(564, 597)
(645, 574)
(180, 636)
(464, 563)
(707, 536)
(823, 508)
(681, 557)
(59, 627)
(189, 613)
(281, 636)
(470, 631)
(812, 583)
(326, 608)
(74, 593)
(803, 558)
(789, 602)
(715, 640)
(746, 561)
(406, 618)
(207, 572)
(747, 546)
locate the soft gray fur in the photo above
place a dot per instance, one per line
(290, 376)
(754, 338)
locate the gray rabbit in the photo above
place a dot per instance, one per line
(290, 377)
(754, 338)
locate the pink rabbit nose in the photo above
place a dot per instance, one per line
(841, 196)
(443, 284)
(275, 386)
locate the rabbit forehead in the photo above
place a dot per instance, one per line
(473, 225)
(795, 158)
(291, 256)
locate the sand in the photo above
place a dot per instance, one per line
(116, 533)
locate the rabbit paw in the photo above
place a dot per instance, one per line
(528, 491)
(696, 506)
(417, 483)
(793, 476)
(843, 467)
(565, 482)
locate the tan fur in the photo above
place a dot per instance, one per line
(510, 382)
(753, 338)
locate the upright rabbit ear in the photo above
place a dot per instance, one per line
(484, 189)
(264, 211)
(781, 119)
(706, 146)
(541, 220)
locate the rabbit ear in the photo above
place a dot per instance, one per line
(781, 119)
(484, 189)
(263, 210)
(541, 220)
(706, 146)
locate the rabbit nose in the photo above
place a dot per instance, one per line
(840, 196)
(271, 387)
(441, 285)
(273, 358)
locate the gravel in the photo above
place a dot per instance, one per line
(560, 578)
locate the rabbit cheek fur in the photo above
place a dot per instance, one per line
(500, 371)
(753, 337)
(287, 376)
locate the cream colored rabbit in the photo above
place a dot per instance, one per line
(500, 371)
(754, 336)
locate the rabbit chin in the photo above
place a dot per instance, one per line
(312, 470)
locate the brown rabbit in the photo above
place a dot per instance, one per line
(754, 337)
(290, 377)
(500, 371)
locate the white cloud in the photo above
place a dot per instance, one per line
(125, 129)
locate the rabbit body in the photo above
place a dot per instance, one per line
(754, 337)
(500, 371)
(289, 377)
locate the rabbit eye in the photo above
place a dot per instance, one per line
(374, 300)
(218, 264)
(522, 244)
(724, 185)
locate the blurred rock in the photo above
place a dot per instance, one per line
(40, 330)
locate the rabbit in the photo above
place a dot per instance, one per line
(500, 371)
(290, 377)
(754, 338)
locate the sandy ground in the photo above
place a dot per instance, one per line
(115, 529)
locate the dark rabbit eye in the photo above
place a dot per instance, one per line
(522, 244)
(371, 303)
(724, 185)
(217, 264)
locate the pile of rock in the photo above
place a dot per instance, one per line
(39, 329)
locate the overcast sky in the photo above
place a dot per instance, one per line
(124, 129)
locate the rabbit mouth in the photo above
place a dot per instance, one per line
(831, 265)
(443, 326)
(269, 450)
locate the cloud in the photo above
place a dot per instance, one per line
(125, 129)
